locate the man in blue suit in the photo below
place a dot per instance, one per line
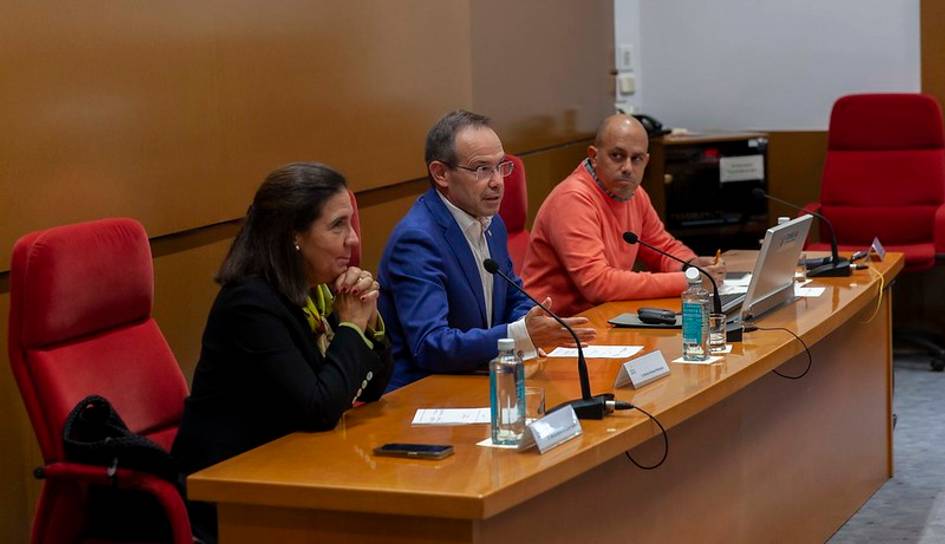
(444, 313)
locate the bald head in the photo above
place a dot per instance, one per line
(619, 155)
(618, 123)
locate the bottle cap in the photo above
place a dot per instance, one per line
(506, 344)
(693, 275)
(783, 219)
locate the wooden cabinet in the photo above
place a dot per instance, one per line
(701, 185)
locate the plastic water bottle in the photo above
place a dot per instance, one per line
(507, 394)
(695, 318)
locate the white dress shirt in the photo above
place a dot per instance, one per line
(475, 230)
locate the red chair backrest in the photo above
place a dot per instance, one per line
(80, 323)
(356, 224)
(514, 207)
(885, 162)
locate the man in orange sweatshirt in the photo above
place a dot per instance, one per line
(577, 254)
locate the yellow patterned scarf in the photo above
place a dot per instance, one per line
(317, 312)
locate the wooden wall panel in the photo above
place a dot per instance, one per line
(914, 306)
(795, 164)
(380, 211)
(932, 44)
(16, 437)
(173, 112)
(546, 169)
(541, 68)
(184, 288)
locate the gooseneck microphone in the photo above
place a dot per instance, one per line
(588, 406)
(835, 266)
(632, 238)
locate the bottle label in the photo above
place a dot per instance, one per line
(692, 322)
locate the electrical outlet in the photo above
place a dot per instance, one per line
(626, 84)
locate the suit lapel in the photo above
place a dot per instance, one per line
(303, 330)
(459, 247)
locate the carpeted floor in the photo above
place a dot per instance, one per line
(911, 506)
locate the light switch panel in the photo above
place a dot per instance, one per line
(625, 57)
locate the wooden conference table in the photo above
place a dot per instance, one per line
(753, 457)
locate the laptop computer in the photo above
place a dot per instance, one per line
(772, 279)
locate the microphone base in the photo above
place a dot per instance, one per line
(815, 262)
(831, 270)
(592, 408)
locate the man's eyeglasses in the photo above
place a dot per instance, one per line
(485, 172)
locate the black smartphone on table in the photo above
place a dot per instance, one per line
(415, 451)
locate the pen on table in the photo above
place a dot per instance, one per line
(718, 255)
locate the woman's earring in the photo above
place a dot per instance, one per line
(297, 248)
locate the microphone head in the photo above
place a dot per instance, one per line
(630, 237)
(491, 266)
(758, 193)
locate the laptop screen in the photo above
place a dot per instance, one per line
(772, 280)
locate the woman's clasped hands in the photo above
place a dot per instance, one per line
(356, 293)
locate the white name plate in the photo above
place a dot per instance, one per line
(877, 251)
(552, 430)
(642, 370)
(743, 168)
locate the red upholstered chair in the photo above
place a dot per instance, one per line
(884, 176)
(80, 324)
(356, 252)
(514, 212)
(356, 223)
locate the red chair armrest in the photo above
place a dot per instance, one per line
(165, 492)
(939, 231)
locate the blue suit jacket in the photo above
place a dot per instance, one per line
(431, 294)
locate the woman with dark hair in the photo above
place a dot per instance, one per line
(293, 338)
